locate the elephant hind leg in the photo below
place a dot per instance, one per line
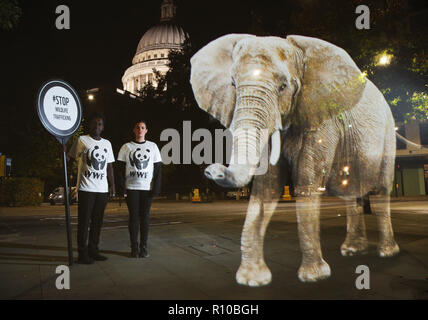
(356, 237)
(380, 205)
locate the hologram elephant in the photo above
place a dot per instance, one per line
(332, 126)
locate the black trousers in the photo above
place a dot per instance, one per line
(139, 203)
(90, 216)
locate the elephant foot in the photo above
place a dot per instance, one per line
(353, 247)
(254, 275)
(314, 272)
(388, 249)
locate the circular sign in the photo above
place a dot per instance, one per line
(59, 108)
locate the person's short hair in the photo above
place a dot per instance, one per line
(139, 121)
(96, 115)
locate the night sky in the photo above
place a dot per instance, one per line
(104, 36)
(103, 39)
(101, 42)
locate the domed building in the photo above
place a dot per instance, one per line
(153, 49)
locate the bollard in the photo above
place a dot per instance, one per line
(196, 197)
(286, 195)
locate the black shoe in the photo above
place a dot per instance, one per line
(143, 252)
(85, 259)
(96, 256)
(134, 252)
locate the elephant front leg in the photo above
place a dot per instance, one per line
(313, 266)
(356, 237)
(253, 270)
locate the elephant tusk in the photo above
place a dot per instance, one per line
(275, 147)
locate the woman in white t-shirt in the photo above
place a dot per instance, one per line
(141, 165)
(95, 173)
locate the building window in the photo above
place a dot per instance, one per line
(149, 56)
(423, 133)
(155, 56)
(162, 55)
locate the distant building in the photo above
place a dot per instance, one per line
(153, 49)
(411, 163)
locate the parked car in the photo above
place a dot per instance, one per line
(57, 196)
(243, 194)
(231, 195)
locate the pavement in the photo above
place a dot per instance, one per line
(195, 253)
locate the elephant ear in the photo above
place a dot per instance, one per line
(211, 79)
(331, 81)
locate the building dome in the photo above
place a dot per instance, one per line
(153, 49)
(162, 36)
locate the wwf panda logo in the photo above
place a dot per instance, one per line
(139, 158)
(96, 158)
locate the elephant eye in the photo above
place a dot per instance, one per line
(233, 83)
(282, 87)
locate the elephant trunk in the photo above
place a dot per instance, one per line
(253, 122)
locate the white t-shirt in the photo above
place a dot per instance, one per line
(139, 158)
(93, 156)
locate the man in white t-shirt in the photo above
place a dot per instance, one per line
(95, 172)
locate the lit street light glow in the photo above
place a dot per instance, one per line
(91, 97)
(385, 59)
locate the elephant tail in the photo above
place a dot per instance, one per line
(408, 142)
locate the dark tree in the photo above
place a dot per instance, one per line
(10, 14)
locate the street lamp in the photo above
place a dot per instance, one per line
(385, 59)
(91, 93)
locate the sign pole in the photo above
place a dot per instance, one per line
(67, 207)
(60, 112)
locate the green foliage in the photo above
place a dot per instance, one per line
(419, 102)
(397, 28)
(10, 14)
(177, 79)
(18, 192)
(41, 156)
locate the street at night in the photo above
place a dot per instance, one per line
(195, 252)
(194, 152)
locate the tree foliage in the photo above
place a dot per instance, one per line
(174, 95)
(397, 27)
(10, 14)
